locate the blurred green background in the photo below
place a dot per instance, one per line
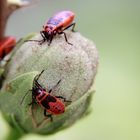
(114, 26)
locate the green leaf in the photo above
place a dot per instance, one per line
(25, 81)
(10, 99)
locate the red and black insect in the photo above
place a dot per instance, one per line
(6, 46)
(50, 103)
(56, 25)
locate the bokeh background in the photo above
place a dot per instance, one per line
(114, 26)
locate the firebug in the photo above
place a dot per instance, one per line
(56, 25)
(50, 103)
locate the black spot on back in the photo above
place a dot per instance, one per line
(45, 102)
(50, 98)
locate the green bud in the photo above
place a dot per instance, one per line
(76, 66)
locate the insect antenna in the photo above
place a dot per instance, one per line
(38, 76)
(55, 86)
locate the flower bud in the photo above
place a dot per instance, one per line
(75, 65)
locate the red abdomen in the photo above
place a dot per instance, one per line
(61, 19)
(57, 107)
(51, 103)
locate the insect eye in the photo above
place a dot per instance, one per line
(45, 27)
(39, 91)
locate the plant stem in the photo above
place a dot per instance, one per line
(6, 9)
(3, 17)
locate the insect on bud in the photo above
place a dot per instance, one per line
(75, 66)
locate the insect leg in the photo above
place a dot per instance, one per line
(39, 41)
(48, 115)
(44, 38)
(61, 97)
(25, 96)
(71, 25)
(50, 40)
(65, 37)
(33, 101)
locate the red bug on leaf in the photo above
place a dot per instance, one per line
(50, 103)
(6, 46)
(56, 25)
